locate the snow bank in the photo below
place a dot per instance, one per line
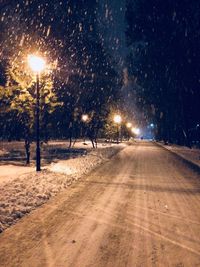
(23, 194)
(190, 154)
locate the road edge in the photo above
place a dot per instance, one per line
(195, 167)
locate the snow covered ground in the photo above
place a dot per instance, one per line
(192, 155)
(22, 189)
(140, 208)
(10, 172)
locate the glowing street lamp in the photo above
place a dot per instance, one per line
(152, 125)
(135, 131)
(37, 65)
(129, 125)
(84, 117)
(118, 119)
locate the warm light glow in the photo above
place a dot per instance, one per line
(129, 125)
(84, 117)
(135, 131)
(37, 64)
(117, 119)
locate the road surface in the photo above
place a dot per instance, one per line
(141, 208)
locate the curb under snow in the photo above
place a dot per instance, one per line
(195, 167)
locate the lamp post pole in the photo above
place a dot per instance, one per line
(38, 159)
(118, 120)
(37, 64)
(84, 119)
(120, 133)
(117, 133)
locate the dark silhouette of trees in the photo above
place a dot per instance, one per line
(164, 40)
(84, 80)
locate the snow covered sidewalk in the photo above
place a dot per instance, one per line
(29, 190)
(191, 155)
(11, 172)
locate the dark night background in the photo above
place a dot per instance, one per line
(138, 57)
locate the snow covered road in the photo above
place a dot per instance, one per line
(141, 208)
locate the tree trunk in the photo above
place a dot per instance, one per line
(27, 149)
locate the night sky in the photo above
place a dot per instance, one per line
(109, 22)
(144, 53)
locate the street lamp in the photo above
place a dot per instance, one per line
(37, 65)
(118, 119)
(135, 131)
(152, 125)
(129, 125)
(84, 117)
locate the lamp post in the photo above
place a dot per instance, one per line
(128, 126)
(118, 119)
(37, 64)
(84, 119)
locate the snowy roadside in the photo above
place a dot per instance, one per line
(192, 155)
(23, 194)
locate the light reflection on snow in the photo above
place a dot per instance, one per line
(62, 168)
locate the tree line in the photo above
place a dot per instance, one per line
(164, 41)
(82, 80)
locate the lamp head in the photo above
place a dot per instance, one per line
(135, 131)
(117, 119)
(84, 117)
(129, 125)
(36, 63)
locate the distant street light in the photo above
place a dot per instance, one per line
(129, 125)
(118, 119)
(84, 117)
(135, 131)
(37, 65)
